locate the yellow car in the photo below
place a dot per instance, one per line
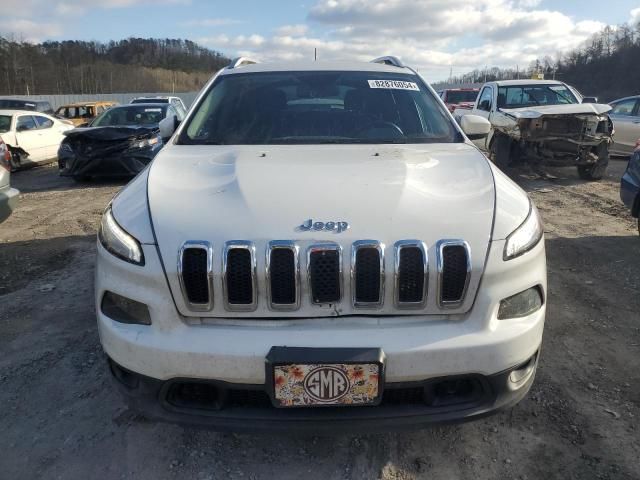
(82, 113)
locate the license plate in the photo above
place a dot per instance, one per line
(321, 383)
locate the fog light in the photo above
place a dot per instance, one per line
(520, 376)
(521, 304)
(125, 310)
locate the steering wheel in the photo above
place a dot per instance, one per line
(381, 124)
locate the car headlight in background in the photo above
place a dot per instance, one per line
(149, 142)
(117, 241)
(525, 237)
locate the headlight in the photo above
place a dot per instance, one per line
(117, 241)
(525, 237)
(149, 142)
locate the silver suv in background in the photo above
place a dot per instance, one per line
(8, 195)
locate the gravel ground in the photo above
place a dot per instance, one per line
(61, 418)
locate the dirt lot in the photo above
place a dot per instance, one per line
(61, 418)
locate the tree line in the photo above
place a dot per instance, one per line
(82, 67)
(604, 66)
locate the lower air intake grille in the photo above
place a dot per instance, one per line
(454, 273)
(411, 275)
(324, 273)
(239, 278)
(367, 275)
(282, 276)
(195, 276)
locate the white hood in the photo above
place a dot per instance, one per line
(566, 109)
(262, 193)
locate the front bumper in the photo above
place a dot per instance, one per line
(8, 202)
(419, 349)
(247, 408)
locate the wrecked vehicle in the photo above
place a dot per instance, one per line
(81, 114)
(544, 122)
(32, 138)
(119, 142)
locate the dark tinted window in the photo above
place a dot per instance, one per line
(43, 122)
(26, 122)
(10, 104)
(150, 100)
(460, 96)
(131, 115)
(318, 107)
(5, 123)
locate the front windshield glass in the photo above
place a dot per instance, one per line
(318, 108)
(460, 96)
(131, 115)
(533, 95)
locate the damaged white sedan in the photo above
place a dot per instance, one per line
(544, 122)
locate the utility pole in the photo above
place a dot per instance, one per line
(315, 54)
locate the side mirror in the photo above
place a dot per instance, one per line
(168, 126)
(589, 99)
(474, 126)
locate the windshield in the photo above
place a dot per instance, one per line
(150, 100)
(131, 115)
(460, 96)
(318, 108)
(5, 123)
(17, 104)
(530, 95)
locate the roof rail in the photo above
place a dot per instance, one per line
(240, 61)
(389, 60)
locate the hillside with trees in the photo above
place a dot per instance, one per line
(605, 66)
(130, 65)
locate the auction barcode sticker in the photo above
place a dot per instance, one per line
(395, 84)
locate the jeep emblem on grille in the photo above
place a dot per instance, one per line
(337, 227)
(326, 384)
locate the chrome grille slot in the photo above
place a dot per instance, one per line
(367, 274)
(454, 272)
(325, 273)
(195, 274)
(411, 274)
(239, 276)
(283, 275)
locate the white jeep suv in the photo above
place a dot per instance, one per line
(321, 247)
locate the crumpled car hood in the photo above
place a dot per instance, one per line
(567, 109)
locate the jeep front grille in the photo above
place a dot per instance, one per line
(195, 271)
(325, 273)
(412, 271)
(283, 284)
(454, 270)
(283, 275)
(239, 276)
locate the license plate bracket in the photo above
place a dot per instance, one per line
(324, 377)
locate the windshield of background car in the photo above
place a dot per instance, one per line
(150, 100)
(131, 115)
(534, 95)
(317, 108)
(460, 96)
(5, 123)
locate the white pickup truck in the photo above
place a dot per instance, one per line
(544, 122)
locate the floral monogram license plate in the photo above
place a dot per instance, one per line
(306, 385)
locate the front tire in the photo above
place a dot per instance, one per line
(501, 151)
(598, 170)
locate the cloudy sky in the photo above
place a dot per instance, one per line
(431, 35)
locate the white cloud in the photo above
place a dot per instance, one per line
(635, 16)
(431, 35)
(29, 31)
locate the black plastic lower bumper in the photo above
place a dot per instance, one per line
(247, 408)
